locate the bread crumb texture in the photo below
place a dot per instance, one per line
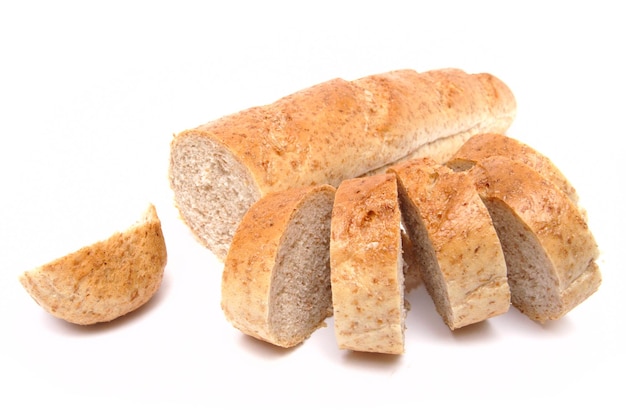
(106, 280)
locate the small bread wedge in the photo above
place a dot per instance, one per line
(367, 266)
(105, 280)
(550, 252)
(276, 277)
(459, 253)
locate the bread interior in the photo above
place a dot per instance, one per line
(531, 275)
(300, 298)
(426, 262)
(213, 190)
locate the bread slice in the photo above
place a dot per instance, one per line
(105, 280)
(549, 249)
(485, 145)
(367, 266)
(276, 277)
(324, 134)
(460, 256)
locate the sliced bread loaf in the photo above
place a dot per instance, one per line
(459, 253)
(550, 252)
(105, 280)
(276, 277)
(367, 266)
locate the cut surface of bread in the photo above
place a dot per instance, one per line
(412, 271)
(106, 280)
(276, 277)
(322, 135)
(461, 261)
(212, 188)
(549, 249)
(367, 266)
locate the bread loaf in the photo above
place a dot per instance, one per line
(325, 134)
(276, 277)
(549, 250)
(461, 261)
(367, 266)
(105, 280)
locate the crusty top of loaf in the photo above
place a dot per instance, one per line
(485, 145)
(295, 140)
(105, 280)
(545, 209)
(362, 214)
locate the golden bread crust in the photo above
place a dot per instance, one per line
(106, 280)
(312, 136)
(486, 145)
(366, 266)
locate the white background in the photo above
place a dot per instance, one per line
(90, 97)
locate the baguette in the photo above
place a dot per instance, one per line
(106, 280)
(461, 261)
(276, 277)
(367, 266)
(549, 250)
(324, 134)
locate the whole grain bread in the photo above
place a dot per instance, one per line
(105, 280)
(276, 278)
(549, 250)
(461, 261)
(324, 134)
(367, 266)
